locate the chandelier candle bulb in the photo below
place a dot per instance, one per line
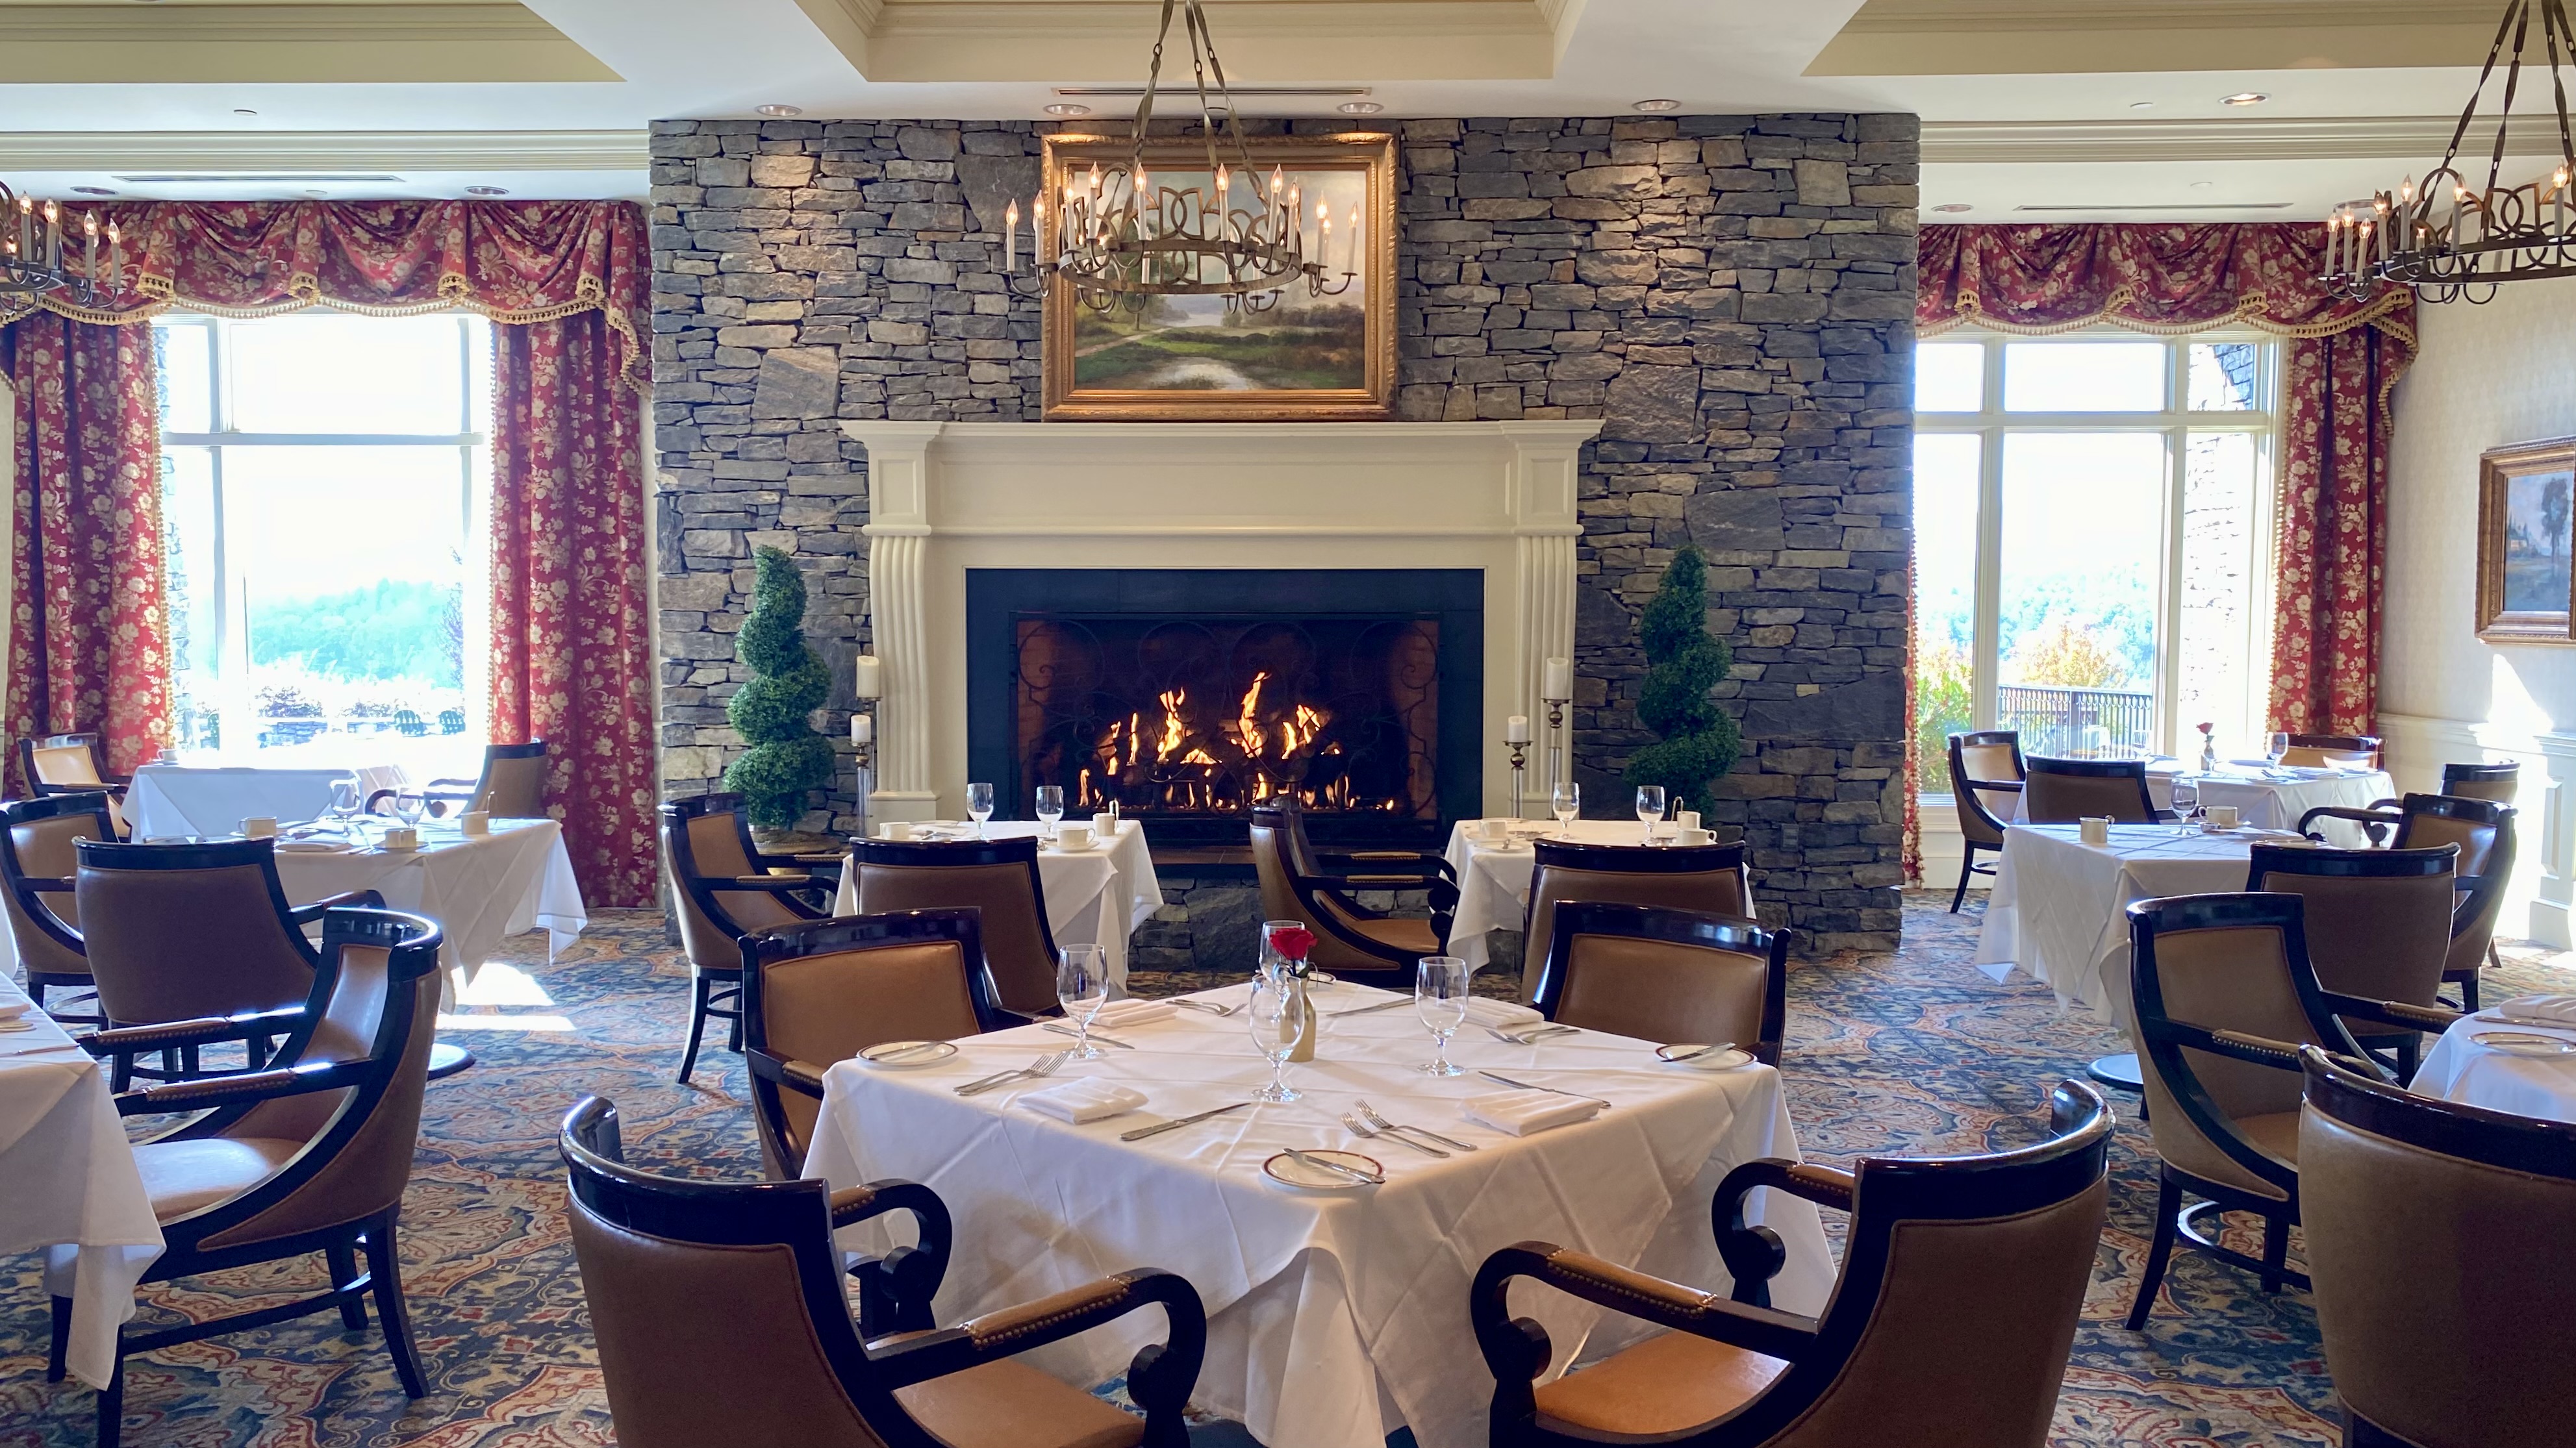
(1011, 239)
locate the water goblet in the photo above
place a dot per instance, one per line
(1650, 808)
(1565, 802)
(979, 804)
(2186, 799)
(1082, 988)
(1440, 999)
(1277, 1024)
(2276, 748)
(409, 806)
(1050, 807)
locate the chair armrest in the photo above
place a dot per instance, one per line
(242, 1090)
(1159, 1379)
(2009, 786)
(2433, 1019)
(2235, 1045)
(204, 1030)
(803, 1077)
(761, 882)
(307, 914)
(48, 884)
(1755, 1254)
(2372, 820)
(895, 1290)
(1517, 1350)
(1423, 861)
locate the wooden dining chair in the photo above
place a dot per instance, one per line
(1704, 879)
(824, 991)
(662, 1257)
(1320, 890)
(1666, 975)
(2224, 997)
(2063, 791)
(724, 889)
(1949, 1325)
(2378, 925)
(2391, 1182)
(2484, 832)
(998, 877)
(511, 787)
(74, 764)
(1986, 774)
(2320, 751)
(309, 1154)
(37, 863)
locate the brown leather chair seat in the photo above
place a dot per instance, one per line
(1416, 936)
(1009, 1404)
(181, 1176)
(1668, 1385)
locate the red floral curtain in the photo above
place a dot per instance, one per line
(572, 656)
(571, 283)
(89, 626)
(2340, 363)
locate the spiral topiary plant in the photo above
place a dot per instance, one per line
(787, 759)
(1684, 661)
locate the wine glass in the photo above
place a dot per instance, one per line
(1566, 802)
(1082, 988)
(1440, 998)
(1650, 808)
(409, 806)
(2276, 748)
(1050, 807)
(345, 802)
(979, 803)
(2186, 800)
(1277, 1025)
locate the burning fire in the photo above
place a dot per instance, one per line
(1258, 759)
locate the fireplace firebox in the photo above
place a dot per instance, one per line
(1188, 696)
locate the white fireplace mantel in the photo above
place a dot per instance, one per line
(945, 497)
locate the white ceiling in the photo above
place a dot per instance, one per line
(2131, 133)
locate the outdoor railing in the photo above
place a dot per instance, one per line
(2077, 723)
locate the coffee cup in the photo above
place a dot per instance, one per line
(259, 827)
(1073, 837)
(1105, 826)
(402, 837)
(2095, 829)
(474, 822)
(1693, 835)
(1688, 820)
(895, 830)
(2225, 816)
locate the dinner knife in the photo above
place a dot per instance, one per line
(1140, 1133)
(1064, 1030)
(1529, 1086)
(1327, 1164)
(1380, 1006)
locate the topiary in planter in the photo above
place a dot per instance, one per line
(1684, 661)
(787, 759)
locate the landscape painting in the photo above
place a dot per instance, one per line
(1184, 357)
(2527, 542)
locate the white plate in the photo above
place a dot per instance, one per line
(21, 1025)
(1726, 1060)
(1289, 1171)
(2516, 1043)
(1059, 847)
(875, 1055)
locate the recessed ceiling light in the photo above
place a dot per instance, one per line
(317, 193)
(2202, 185)
(1657, 105)
(487, 190)
(91, 191)
(1954, 207)
(244, 111)
(1359, 108)
(780, 112)
(2142, 105)
(1067, 108)
(2244, 98)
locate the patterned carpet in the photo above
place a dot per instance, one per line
(1914, 1052)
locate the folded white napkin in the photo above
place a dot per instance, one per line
(1502, 1015)
(1082, 1101)
(1119, 1014)
(1524, 1112)
(2541, 1010)
(12, 1010)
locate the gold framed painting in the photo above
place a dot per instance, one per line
(2527, 543)
(1191, 358)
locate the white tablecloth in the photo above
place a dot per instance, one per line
(1494, 880)
(68, 1183)
(168, 800)
(2275, 804)
(2459, 1069)
(1333, 1318)
(2057, 903)
(1097, 897)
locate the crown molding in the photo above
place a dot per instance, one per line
(2248, 138)
(135, 44)
(1348, 21)
(288, 151)
(2047, 37)
(1921, 17)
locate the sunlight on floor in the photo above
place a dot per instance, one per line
(497, 984)
(504, 1023)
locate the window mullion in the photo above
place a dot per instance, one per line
(1986, 665)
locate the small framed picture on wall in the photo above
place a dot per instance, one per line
(2527, 543)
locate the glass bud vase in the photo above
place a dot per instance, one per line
(1308, 1021)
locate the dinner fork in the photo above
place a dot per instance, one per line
(1380, 1122)
(1532, 1035)
(1362, 1128)
(1044, 1066)
(1211, 1007)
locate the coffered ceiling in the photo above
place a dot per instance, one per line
(2033, 109)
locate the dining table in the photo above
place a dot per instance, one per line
(1494, 874)
(1094, 896)
(69, 1186)
(2499, 1073)
(1335, 1316)
(2269, 796)
(176, 801)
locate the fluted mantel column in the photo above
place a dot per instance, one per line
(898, 533)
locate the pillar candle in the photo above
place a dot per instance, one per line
(1516, 729)
(863, 729)
(870, 680)
(1557, 681)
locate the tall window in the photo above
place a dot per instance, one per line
(324, 477)
(2092, 532)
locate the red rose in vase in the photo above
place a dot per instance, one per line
(1292, 942)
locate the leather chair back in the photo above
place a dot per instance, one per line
(67, 763)
(702, 844)
(2378, 921)
(2062, 791)
(36, 842)
(998, 878)
(1992, 754)
(2494, 783)
(2475, 825)
(1666, 975)
(2398, 1191)
(2317, 751)
(513, 785)
(1281, 850)
(175, 932)
(2225, 964)
(1702, 879)
(822, 992)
